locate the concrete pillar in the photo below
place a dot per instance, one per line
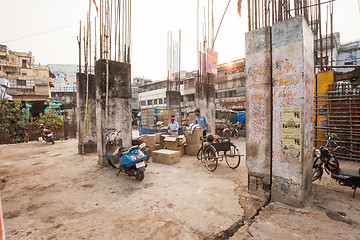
(173, 98)
(293, 92)
(258, 111)
(90, 140)
(119, 104)
(205, 101)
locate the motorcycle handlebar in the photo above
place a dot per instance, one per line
(348, 150)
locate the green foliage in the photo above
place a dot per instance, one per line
(51, 120)
(10, 115)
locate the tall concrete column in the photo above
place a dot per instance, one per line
(90, 140)
(258, 111)
(119, 104)
(205, 101)
(293, 92)
(173, 98)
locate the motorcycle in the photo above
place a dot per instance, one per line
(46, 134)
(131, 161)
(324, 158)
(142, 146)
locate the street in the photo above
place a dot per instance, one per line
(51, 192)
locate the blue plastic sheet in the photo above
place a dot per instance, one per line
(241, 116)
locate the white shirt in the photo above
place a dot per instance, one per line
(173, 128)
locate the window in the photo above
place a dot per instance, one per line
(143, 103)
(3, 58)
(349, 63)
(150, 102)
(160, 101)
(24, 74)
(21, 82)
(155, 101)
(24, 63)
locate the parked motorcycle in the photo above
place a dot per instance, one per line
(232, 130)
(324, 158)
(142, 146)
(46, 134)
(131, 161)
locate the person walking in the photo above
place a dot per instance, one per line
(173, 126)
(202, 121)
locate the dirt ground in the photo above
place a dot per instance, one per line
(51, 192)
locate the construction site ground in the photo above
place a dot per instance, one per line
(50, 192)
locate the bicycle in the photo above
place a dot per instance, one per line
(210, 153)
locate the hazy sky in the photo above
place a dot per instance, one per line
(151, 21)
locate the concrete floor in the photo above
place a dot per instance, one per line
(51, 192)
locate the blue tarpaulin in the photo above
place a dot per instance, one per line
(241, 116)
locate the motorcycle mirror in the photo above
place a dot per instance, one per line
(334, 136)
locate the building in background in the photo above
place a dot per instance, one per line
(64, 89)
(349, 54)
(27, 81)
(229, 86)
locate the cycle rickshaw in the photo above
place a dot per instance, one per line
(213, 151)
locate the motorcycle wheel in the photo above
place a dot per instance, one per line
(317, 171)
(139, 175)
(52, 141)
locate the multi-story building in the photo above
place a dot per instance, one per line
(27, 81)
(349, 54)
(229, 86)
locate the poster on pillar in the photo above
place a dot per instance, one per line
(211, 62)
(291, 131)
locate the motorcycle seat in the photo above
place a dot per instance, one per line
(123, 151)
(349, 172)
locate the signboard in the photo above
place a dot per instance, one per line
(291, 131)
(211, 63)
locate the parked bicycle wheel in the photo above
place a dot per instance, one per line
(200, 154)
(232, 156)
(211, 158)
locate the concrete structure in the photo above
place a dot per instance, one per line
(173, 98)
(293, 92)
(259, 111)
(87, 142)
(28, 81)
(205, 100)
(119, 104)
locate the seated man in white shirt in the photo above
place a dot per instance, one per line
(173, 126)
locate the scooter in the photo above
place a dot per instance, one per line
(131, 161)
(325, 159)
(46, 134)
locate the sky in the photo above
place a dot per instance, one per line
(48, 28)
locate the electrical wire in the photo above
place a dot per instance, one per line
(42, 33)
